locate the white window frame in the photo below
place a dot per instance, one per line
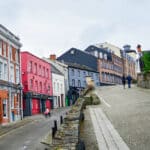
(5, 71)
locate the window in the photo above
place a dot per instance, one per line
(17, 55)
(30, 66)
(0, 47)
(105, 56)
(35, 68)
(61, 87)
(40, 70)
(79, 83)
(31, 84)
(72, 72)
(17, 75)
(79, 73)
(12, 101)
(5, 72)
(10, 53)
(47, 73)
(54, 86)
(58, 87)
(40, 86)
(73, 82)
(36, 85)
(4, 108)
(1, 68)
(100, 55)
(43, 71)
(84, 73)
(4, 49)
(12, 74)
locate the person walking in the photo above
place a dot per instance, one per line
(123, 81)
(129, 79)
(47, 112)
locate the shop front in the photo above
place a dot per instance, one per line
(4, 109)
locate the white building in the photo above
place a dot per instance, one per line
(58, 88)
(10, 79)
(63, 68)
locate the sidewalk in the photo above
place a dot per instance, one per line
(5, 129)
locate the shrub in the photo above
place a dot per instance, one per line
(146, 60)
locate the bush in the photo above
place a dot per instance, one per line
(146, 60)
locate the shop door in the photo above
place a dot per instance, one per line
(35, 106)
(1, 109)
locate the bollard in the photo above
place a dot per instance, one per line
(55, 124)
(53, 132)
(61, 119)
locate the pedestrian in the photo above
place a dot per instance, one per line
(47, 112)
(123, 81)
(129, 79)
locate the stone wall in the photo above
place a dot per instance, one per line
(143, 80)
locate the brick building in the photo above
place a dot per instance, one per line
(10, 79)
(109, 65)
(37, 84)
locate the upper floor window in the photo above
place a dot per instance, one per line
(31, 84)
(72, 72)
(30, 66)
(17, 56)
(84, 73)
(73, 82)
(12, 74)
(79, 73)
(47, 73)
(101, 55)
(43, 71)
(79, 83)
(105, 56)
(1, 69)
(40, 86)
(10, 53)
(4, 49)
(17, 75)
(5, 71)
(35, 68)
(0, 47)
(40, 70)
(36, 85)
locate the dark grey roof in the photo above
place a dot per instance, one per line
(92, 48)
(77, 56)
(81, 67)
(55, 70)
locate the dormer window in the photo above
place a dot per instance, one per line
(72, 52)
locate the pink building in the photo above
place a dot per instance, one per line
(37, 84)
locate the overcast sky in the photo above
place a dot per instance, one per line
(53, 26)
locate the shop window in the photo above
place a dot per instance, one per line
(4, 108)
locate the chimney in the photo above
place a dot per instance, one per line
(53, 57)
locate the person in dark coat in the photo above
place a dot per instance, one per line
(123, 81)
(129, 79)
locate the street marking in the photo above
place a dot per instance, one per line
(107, 137)
(108, 105)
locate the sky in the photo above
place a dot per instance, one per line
(53, 26)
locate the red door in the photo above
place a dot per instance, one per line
(35, 106)
(48, 104)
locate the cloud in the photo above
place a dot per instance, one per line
(54, 26)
